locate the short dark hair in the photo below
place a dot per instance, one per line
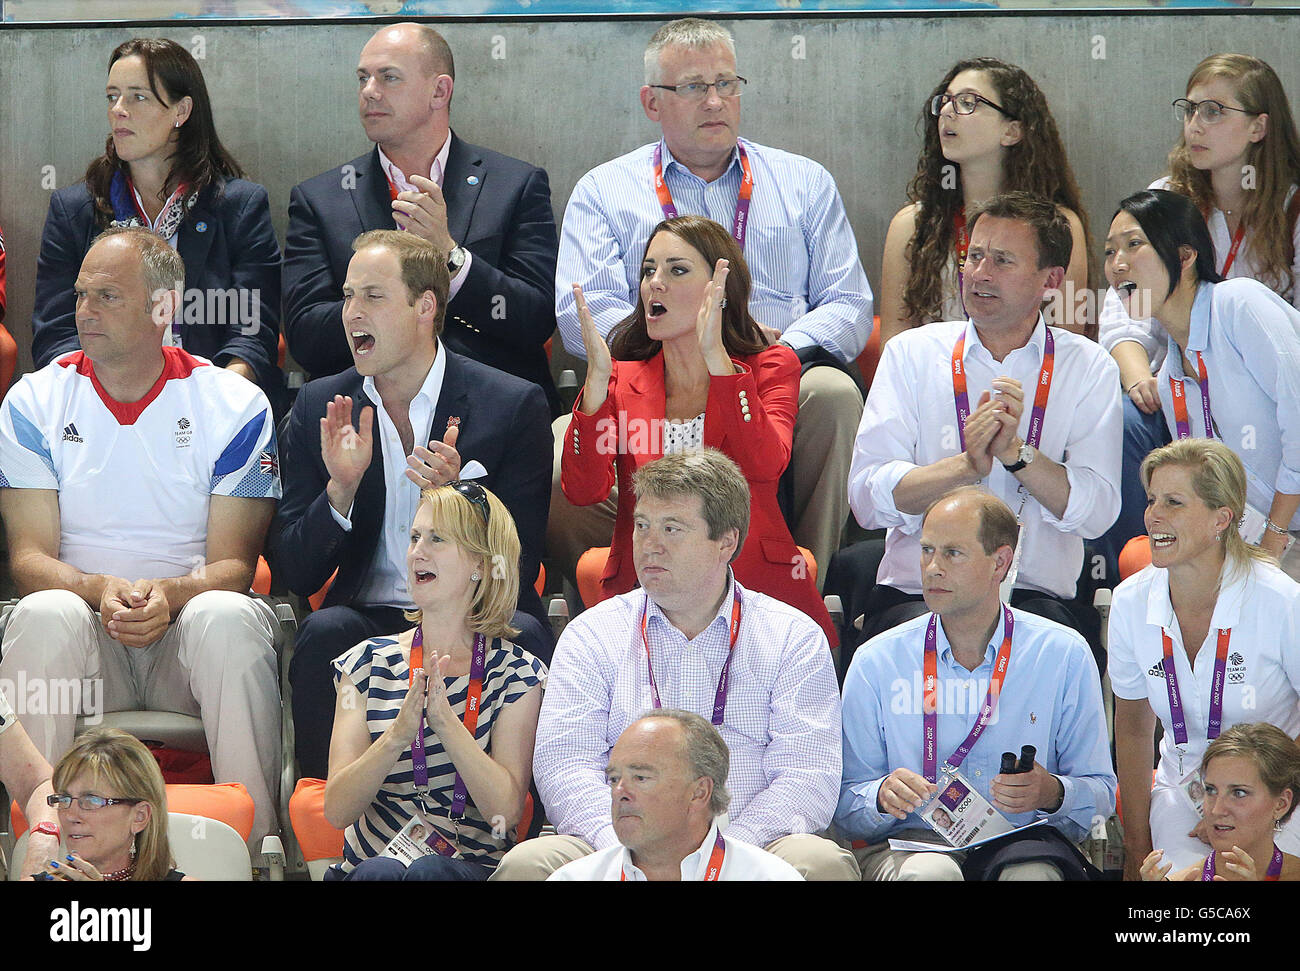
(1170, 220)
(421, 265)
(713, 477)
(997, 525)
(1055, 243)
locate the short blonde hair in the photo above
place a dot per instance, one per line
(1219, 481)
(457, 518)
(121, 763)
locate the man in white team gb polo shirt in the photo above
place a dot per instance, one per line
(136, 485)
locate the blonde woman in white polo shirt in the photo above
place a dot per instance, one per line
(1205, 637)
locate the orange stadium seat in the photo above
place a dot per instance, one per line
(1135, 557)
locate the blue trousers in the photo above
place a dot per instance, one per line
(432, 867)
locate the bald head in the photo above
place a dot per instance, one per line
(434, 53)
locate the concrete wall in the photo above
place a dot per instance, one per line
(564, 95)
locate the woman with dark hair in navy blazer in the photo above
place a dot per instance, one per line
(164, 168)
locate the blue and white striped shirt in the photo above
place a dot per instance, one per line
(380, 670)
(808, 281)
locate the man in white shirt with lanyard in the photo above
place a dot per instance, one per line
(692, 638)
(810, 291)
(136, 485)
(1030, 413)
(954, 691)
(668, 780)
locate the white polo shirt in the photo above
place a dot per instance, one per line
(135, 480)
(1262, 607)
(740, 861)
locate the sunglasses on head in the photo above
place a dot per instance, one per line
(474, 492)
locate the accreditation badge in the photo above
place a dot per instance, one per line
(1192, 786)
(959, 814)
(419, 837)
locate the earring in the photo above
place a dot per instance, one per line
(177, 125)
(133, 839)
(1218, 537)
(475, 577)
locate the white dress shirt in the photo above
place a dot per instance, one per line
(910, 420)
(800, 249)
(436, 172)
(740, 861)
(781, 724)
(386, 584)
(1249, 340)
(1261, 606)
(1114, 323)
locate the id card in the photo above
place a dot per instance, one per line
(1192, 786)
(418, 838)
(959, 814)
(1252, 528)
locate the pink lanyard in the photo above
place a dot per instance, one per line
(742, 199)
(720, 696)
(930, 703)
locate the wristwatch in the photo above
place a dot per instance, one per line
(48, 828)
(1023, 458)
(455, 260)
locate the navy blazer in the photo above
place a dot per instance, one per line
(503, 425)
(226, 241)
(498, 208)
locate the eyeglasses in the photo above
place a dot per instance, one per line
(474, 492)
(965, 104)
(699, 90)
(62, 800)
(1211, 111)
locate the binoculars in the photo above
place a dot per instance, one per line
(1011, 767)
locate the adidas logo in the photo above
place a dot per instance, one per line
(1158, 669)
(70, 435)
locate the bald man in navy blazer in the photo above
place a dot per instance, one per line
(491, 214)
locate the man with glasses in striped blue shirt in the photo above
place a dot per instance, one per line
(810, 290)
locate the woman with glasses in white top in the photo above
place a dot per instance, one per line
(988, 130)
(1205, 637)
(1238, 160)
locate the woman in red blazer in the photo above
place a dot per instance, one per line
(690, 369)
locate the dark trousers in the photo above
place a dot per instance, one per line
(432, 867)
(323, 636)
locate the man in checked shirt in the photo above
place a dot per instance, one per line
(693, 638)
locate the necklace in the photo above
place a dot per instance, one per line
(126, 873)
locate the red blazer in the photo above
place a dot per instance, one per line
(749, 417)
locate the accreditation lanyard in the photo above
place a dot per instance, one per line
(1180, 402)
(1274, 867)
(715, 862)
(742, 200)
(962, 399)
(1176, 712)
(1237, 237)
(961, 242)
(930, 701)
(419, 763)
(720, 696)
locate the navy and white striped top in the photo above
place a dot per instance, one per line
(379, 668)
